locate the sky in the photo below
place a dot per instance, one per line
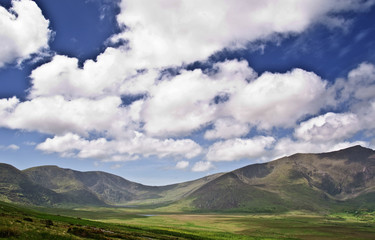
(166, 91)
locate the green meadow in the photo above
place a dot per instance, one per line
(18, 222)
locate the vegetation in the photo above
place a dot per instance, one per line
(127, 223)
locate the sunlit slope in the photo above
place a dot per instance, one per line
(15, 186)
(301, 181)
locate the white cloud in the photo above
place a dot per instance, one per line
(329, 127)
(171, 32)
(186, 102)
(56, 115)
(10, 147)
(13, 147)
(236, 149)
(357, 91)
(227, 128)
(276, 99)
(114, 72)
(24, 31)
(231, 97)
(368, 116)
(73, 145)
(202, 166)
(6, 108)
(182, 165)
(65, 145)
(181, 104)
(359, 85)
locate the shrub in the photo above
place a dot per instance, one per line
(6, 232)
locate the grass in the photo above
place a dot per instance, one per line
(129, 223)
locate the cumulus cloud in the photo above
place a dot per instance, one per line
(72, 145)
(357, 92)
(182, 165)
(333, 131)
(180, 104)
(359, 85)
(329, 127)
(174, 106)
(24, 31)
(114, 72)
(171, 32)
(55, 115)
(202, 166)
(236, 149)
(193, 99)
(6, 108)
(276, 99)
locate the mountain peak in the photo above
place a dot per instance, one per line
(356, 148)
(354, 154)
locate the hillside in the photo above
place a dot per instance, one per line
(342, 179)
(15, 186)
(314, 182)
(108, 188)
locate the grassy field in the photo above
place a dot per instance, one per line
(163, 223)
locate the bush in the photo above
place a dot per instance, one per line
(87, 233)
(27, 219)
(47, 222)
(8, 232)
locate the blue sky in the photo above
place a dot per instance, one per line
(166, 91)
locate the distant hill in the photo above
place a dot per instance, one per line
(15, 186)
(338, 180)
(59, 186)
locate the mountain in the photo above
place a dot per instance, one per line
(314, 182)
(338, 180)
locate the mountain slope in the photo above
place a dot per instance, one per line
(15, 186)
(109, 188)
(301, 181)
(100, 185)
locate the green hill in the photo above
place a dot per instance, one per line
(316, 182)
(15, 186)
(108, 188)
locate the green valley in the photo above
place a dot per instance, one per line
(303, 196)
(124, 223)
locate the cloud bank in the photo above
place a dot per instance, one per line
(233, 109)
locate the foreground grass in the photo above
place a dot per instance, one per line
(22, 223)
(129, 223)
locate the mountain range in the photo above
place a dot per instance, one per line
(339, 180)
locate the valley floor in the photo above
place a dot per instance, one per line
(128, 223)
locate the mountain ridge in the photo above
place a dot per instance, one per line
(316, 182)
